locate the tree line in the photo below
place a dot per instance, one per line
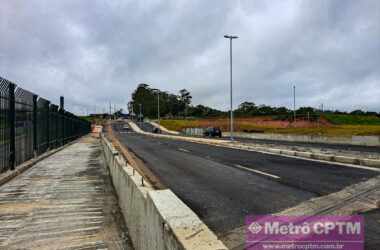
(145, 99)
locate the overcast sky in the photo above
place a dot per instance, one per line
(93, 52)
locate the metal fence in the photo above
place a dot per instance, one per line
(30, 126)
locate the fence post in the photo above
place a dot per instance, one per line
(61, 111)
(12, 126)
(35, 125)
(56, 121)
(63, 126)
(61, 102)
(48, 125)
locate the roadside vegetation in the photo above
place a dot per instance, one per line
(178, 113)
(350, 119)
(266, 125)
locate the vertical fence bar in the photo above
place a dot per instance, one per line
(62, 118)
(35, 125)
(56, 120)
(4, 128)
(61, 103)
(12, 126)
(48, 125)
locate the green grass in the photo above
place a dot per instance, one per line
(352, 119)
(247, 125)
(335, 130)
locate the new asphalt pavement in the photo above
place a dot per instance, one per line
(223, 185)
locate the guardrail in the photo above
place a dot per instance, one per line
(31, 125)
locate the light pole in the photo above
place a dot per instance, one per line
(231, 110)
(294, 102)
(132, 112)
(110, 111)
(158, 104)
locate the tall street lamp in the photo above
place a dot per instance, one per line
(231, 110)
(140, 116)
(294, 103)
(158, 104)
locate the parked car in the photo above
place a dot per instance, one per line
(212, 132)
(125, 129)
(157, 131)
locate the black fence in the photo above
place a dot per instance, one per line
(30, 126)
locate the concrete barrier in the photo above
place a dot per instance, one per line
(137, 129)
(156, 219)
(322, 157)
(370, 162)
(345, 159)
(162, 128)
(303, 154)
(350, 140)
(193, 131)
(288, 152)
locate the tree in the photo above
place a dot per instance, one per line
(145, 97)
(185, 98)
(247, 106)
(357, 112)
(246, 109)
(118, 113)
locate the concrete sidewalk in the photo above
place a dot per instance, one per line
(65, 201)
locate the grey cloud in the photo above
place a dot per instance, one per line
(94, 52)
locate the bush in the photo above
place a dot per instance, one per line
(352, 119)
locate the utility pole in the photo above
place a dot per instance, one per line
(140, 116)
(231, 108)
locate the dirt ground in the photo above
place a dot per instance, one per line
(264, 124)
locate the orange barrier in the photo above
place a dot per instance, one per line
(97, 129)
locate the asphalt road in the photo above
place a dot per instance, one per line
(224, 185)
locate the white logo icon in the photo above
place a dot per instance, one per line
(255, 228)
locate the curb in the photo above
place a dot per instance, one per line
(155, 124)
(372, 163)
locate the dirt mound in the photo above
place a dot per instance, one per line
(254, 123)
